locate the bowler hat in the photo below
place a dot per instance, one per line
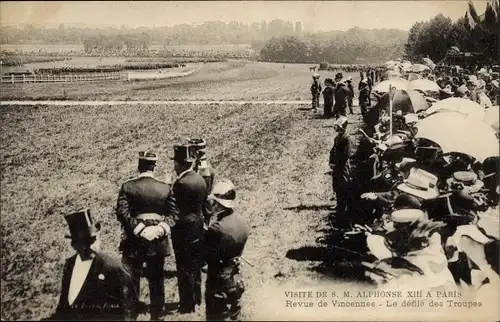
(148, 156)
(184, 153)
(81, 225)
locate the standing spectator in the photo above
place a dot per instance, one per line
(224, 242)
(340, 105)
(350, 94)
(315, 91)
(328, 94)
(190, 194)
(94, 286)
(341, 165)
(364, 96)
(146, 209)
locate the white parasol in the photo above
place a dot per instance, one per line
(463, 106)
(383, 87)
(455, 132)
(424, 85)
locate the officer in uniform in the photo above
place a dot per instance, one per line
(190, 191)
(146, 209)
(341, 93)
(203, 168)
(350, 94)
(315, 91)
(224, 242)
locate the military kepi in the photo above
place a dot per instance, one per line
(81, 225)
(148, 156)
(184, 153)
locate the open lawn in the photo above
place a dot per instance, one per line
(58, 159)
(233, 80)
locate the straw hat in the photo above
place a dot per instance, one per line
(421, 184)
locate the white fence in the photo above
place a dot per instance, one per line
(33, 78)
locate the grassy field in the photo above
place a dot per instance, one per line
(233, 80)
(58, 159)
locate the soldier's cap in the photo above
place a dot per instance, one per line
(224, 193)
(407, 216)
(184, 153)
(81, 225)
(148, 156)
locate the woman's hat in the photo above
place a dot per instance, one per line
(315, 75)
(81, 225)
(224, 193)
(421, 184)
(184, 153)
(407, 216)
(465, 178)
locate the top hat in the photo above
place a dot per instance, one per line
(406, 216)
(224, 193)
(184, 153)
(421, 184)
(81, 225)
(148, 156)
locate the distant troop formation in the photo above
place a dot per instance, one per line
(193, 215)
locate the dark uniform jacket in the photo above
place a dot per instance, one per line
(142, 195)
(190, 192)
(328, 95)
(106, 293)
(341, 94)
(340, 157)
(223, 241)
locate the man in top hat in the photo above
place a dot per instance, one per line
(224, 242)
(341, 165)
(145, 209)
(315, 91)
(328, 98)
(94, 286)
(350, 94)
(190, 191)
(205, 169)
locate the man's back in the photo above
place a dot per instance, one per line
(190, 192)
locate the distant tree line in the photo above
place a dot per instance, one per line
(208, 33)
(435, 37)
(355, 45)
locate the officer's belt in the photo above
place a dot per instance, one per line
(149, 216)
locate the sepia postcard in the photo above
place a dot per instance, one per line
(250, 160)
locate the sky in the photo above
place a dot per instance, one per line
(314, 15)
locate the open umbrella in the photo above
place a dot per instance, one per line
(391, 74)
(383, 86)
(413, 76)
(455, 132)
(491, 117)
(424, 85)
(428, 62)
(418, 68)
(403, 100)
(463, 106)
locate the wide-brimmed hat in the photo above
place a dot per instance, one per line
(315, 75)
(405, 161)
(465, 178)
(224, 193)
(81, 225)
(421, 184)
(407, 216)
(184, 153)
